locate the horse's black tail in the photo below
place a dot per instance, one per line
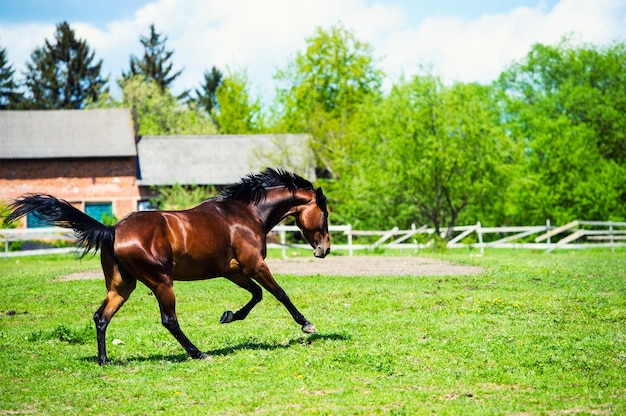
(91, 234)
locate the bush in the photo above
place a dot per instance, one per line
(182, 196)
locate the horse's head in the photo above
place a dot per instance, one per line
(313, 222)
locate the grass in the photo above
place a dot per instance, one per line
(533, 334)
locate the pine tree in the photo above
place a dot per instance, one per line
(10, 96)
(154, 65)
(63, 74)
(205, 96)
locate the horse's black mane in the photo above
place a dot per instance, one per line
(252, 188)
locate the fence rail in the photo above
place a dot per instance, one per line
(574, 235)
(46, 234)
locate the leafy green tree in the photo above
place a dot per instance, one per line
(237, 112)
(155, 64)
(63, 74)
(565, 108)
(158, 112)
(321, 90)
(10, 96)
(206, 96)
(427, 154)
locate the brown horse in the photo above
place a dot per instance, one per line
(224, 236)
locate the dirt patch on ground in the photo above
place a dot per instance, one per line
(369, 266)
(345, 266)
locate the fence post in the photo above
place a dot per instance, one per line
(611, 235)
(349, 230)
(548, 230)
(480, 238)
(283, 242)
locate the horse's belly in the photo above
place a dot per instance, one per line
(197, 269)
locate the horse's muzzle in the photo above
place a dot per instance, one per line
(321, 251)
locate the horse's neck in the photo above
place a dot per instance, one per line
(278, 205)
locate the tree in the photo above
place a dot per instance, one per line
(158, 112)
(63, 74)
(10, 96)
(155, 64)
(206, 96)
(565, 108)
(321, 90)
(426, 154)
(237, 112)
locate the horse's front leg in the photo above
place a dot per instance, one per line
(265, 278)
(257, 295)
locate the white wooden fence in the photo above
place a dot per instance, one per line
(574, 235)
(46, 234)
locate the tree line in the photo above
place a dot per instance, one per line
(546, 140)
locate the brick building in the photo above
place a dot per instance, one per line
(87, 157)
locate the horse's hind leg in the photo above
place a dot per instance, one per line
(119, 285)
(164, 293)
(257, 295)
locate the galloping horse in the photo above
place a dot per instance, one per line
(224, 236)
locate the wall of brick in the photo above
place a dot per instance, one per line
(76, 180)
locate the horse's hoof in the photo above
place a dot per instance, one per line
(309, 328)
(227, 317)
(200, 356)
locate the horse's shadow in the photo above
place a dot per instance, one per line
(270, 346)
(265, 346)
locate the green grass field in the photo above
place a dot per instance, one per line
(533, 334)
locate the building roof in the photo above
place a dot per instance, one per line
(42, 134)
(219, 160)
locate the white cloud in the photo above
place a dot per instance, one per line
(247, 34)
(261, 37)
(480, 49)
(21, 40)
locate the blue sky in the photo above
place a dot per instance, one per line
(459, 40)
(99, 12)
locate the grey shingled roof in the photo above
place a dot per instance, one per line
(219, 160)
(66, 134)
